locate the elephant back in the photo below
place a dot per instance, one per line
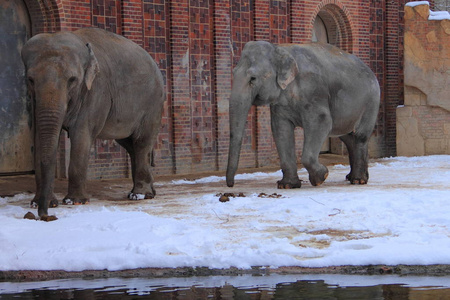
(117, 53)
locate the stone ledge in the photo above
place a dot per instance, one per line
(30, 275)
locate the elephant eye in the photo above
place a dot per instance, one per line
(72, 80)
(252, 80)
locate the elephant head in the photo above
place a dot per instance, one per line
(261, 75)
(60, 69)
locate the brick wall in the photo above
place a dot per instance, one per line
(196, 43)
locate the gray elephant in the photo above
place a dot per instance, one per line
(318, 87)
(93, 84)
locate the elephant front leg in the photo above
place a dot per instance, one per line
(283, 133)
(315, 135)
(51, 198)
(79, 160)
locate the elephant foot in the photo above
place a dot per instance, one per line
(137, 196)
(133, 196)
(317, 178)
(75, 201)
(53, 203)
(285, 184)
(357, 179)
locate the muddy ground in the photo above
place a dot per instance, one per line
(104, 192)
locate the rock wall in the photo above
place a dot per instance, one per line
(423, 122)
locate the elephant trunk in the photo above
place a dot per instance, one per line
(48, 125)
(49, 117)
(239, 108)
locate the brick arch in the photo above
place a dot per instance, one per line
(44, 15)
(337, 20)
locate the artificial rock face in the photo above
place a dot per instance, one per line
(423, 123)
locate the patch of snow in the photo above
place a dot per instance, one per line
(244, 176)
(439, 15)
(416, 3)
(434, 15)
(399, 217)
(14, 199)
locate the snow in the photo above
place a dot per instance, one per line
(439, 15)
(434, 15)
(415, 3)
(400, 217)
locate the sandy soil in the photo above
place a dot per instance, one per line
(116, 190)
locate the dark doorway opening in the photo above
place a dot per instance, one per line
(16, 131)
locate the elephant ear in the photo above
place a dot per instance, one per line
(287, 67)
(91, 69)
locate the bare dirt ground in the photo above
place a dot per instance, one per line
(116, 190)
(104, 192)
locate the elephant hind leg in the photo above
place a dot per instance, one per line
(357, 142)
(128, 145)
(349, 142)
(357, 147)
(141, 155)
(143, 178)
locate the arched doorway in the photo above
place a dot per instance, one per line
(16, 133)
(320, 31)
(331, 25)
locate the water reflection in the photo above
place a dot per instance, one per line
(235, 287)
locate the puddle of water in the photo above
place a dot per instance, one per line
(235, 287)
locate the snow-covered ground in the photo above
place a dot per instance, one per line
(400, 217)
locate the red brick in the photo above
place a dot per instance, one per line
(197, 43)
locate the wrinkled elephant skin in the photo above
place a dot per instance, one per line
(318, 87)
(93, 84)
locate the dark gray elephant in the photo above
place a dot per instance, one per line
(94, 84)
(316, 86)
